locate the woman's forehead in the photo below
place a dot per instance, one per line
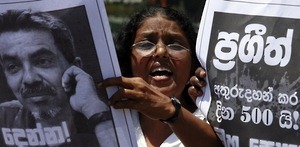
(154, 27)
(158, 23)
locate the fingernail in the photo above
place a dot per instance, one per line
(99, 85)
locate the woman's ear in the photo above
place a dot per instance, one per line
(77, 62)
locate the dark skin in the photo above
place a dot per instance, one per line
(197, 82)
(188, 128)
(150, 94)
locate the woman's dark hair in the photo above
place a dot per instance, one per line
(127, 36)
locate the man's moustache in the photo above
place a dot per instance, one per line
(40, 90)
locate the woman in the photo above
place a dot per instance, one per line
(157, 56)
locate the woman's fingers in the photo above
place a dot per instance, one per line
(200, 72)
(121, 82)
(128, 104)
(197, 82)
(124, 94)
(194, 93)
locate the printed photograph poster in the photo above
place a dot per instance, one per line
(20, 126)
(250, 50)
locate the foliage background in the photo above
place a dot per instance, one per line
(120, 11)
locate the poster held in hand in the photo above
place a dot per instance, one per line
(48, 94)
(250, 51)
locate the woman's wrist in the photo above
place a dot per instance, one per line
(177, 105)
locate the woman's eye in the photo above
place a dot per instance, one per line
(147, 46)
(144, 45)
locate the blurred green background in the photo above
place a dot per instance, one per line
(120, 11)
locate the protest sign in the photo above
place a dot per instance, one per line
(32, 124)
(250, 51)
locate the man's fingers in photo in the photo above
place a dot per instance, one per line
(66, 78)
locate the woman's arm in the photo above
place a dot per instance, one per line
(194, 132)
(136, 94)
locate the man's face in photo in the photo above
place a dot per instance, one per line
(33, 67)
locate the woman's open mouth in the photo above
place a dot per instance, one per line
(161, 73)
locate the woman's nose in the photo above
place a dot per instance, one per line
(161, 51)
